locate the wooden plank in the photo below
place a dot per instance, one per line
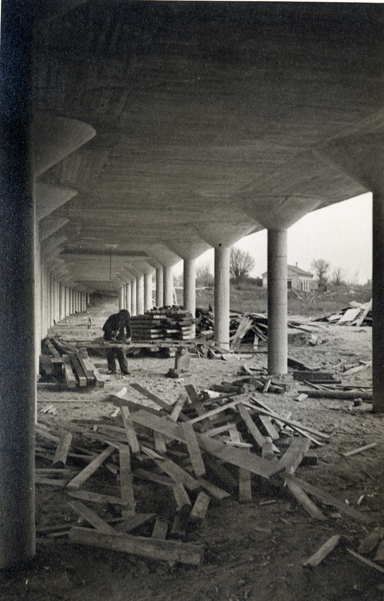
(328, 499)
(360, 449)
(160, 529)
(270, 428)
(324, 550)
(368, 562)
(305, 501)
(78, 480)
(245, 485)
(134, 521)
(253, 429)
(199, 508)
(177, 409)
(130, 430)
(61, 454)
(152, 477)
(380, 553)
(173, 470)
(292, 458)
(213, 490)
(152, 548)
(370, 543)
(193, 449)
(79, 372)
(160, 442)
(221, 472)
(268, 411)
(68, 372)
(92, 517)
(213, 412)
(95, 497)
(153, 397)
(126, 484)
(181, 496)
(194, 398)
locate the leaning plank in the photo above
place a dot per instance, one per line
(193, 449)
(152, 397)
(92, 517)
(253, 429)
(245, 485)
(60, 458)
(214, 491)
(126, 485)
(328, 499)
(77, 368)
(78, 480)
(220, 472)
(193, 396)
(177, 409)
(200, 508)
(181, 496)
(160, 529)
(370, 543)
(130, 431)
(305, 501)
(270, 428)
(324, 550)
(292, 458)
(368, 562)
(360, 449)
(160, 442)
(176, 473)
(134, 521)
(213, 412)
(68, 372)
(152, 548)
(152, 477)
(290, 422)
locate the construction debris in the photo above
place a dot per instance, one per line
(166, 323)
(68, 364)
(356, 314)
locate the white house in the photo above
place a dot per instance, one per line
(297, 279)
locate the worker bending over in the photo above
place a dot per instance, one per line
(117, 328)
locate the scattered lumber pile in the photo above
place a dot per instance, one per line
(163, 324)
(356, 314)
(68, 364)
(167, 464)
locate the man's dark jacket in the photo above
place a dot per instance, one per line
(118, 327)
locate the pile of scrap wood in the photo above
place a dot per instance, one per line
(67, 364)
(356, 314)
(163, 324)
(168, 463)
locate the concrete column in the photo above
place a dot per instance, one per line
(222, 254)
(277, 302)
(159, 287)
(140, 294)
(67, 301)
(189, 285)
(378, 302)
(148, 292)
(128, 299)
(168, 285)
(133, 297)
(17, 294)
(121, 298)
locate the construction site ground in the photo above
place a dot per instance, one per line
(253, 551)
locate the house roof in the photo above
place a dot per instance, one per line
(295, 269)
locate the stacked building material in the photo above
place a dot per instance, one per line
(148, 326)
(356, 314)
(163, 324)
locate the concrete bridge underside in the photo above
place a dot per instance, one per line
(137, 134)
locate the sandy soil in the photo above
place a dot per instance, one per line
(253, 551)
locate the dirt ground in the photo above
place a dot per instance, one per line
(252, 551)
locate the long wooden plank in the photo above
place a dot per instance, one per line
(78, 480)
(194, 398)
(305, 501)
(324, 550)
(68, 372)
(152, 397)
(95, 497)
(152, 548)
(61, 454)
(130, 430)
(213, 412)
(253, 429)
(126, 484)
(92, 517)
(270, 428)
(200, 508)
(328, 499)
(193, 449)
(77, 368)
(294, 455)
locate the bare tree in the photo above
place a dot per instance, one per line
(240, 264)
(321, 268)
(204, 277)
(338, 276)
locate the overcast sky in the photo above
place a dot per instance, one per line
(341, 234)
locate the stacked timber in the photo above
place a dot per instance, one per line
(68, 364)
(167, 323)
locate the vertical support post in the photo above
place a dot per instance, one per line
(133, 297)
(121, 298)
(159, 287)
(147, 291)
(189, 287)
(222, 254)
(17, 253)
(168, 285)
(140, 294)
(128, 297)
(277, 302)
(378, 302)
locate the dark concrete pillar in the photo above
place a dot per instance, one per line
(378, 302)
(17, 250)
(168, 285)
(159, 286)
(222, 254)
(277, 302)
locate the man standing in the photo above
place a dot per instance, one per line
(117, 328)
